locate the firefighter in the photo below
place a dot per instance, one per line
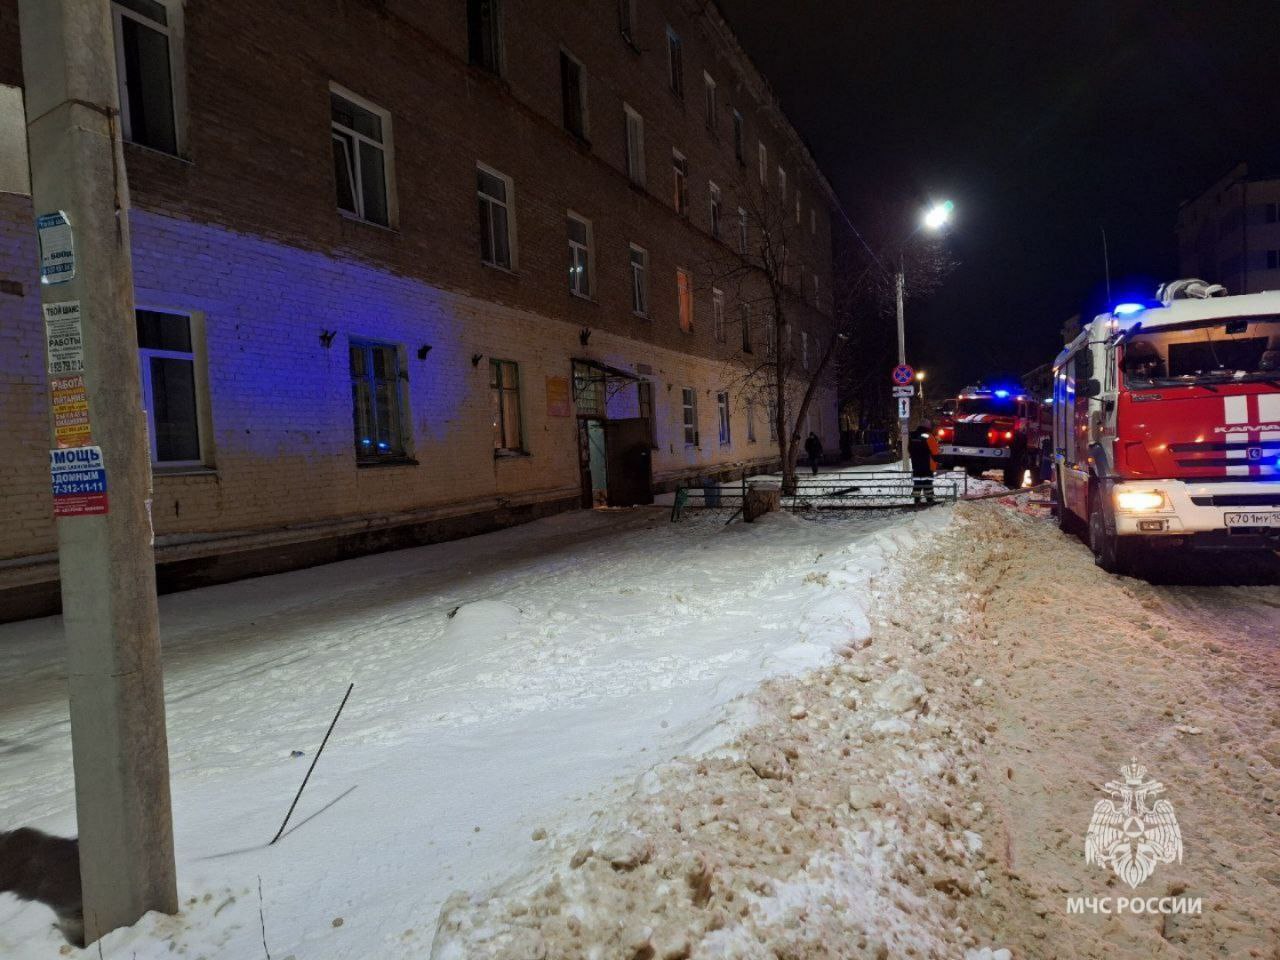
(922, 447)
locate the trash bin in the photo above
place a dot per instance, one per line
(710, 492)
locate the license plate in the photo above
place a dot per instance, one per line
(1255, 519)
(951, 450)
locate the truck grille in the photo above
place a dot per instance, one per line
(1238, 500)
(971, 434)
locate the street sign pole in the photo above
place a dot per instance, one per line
(899, 281)
(100, 465)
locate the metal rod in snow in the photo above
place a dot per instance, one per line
(298, 796)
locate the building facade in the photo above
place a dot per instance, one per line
(351, 222)
(1230, 234)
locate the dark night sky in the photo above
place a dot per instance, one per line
(1043, 122)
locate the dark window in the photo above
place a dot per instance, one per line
(167, 365)
(737, 137)
(484, 34)
(359, 160)
(573, 96)
(627, 20)
(644, 390)
(495, 227)
(375, 401)
(675, 63)
(144, 73)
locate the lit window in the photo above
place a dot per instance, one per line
(680, 182)
(504, 403)
(709, 98)
(361, 143)
(145, 54)
(167, 363)
(639, 281)
(717, 314)
(635, 145)
(684, 298)
(494, 194)
(484, 34)
(579, 231)
(713, 193)
(689, 403)
(722, 408)
(675, 63)
(376, 401)
(573, 95)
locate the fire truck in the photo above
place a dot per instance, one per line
(1166, 425)
(991, 428)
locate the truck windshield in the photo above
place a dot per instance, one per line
(1243, 348)
(967, 406)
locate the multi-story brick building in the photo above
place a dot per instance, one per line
(351, 221)
(1230, 234)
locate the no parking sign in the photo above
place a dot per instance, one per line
(903, 374)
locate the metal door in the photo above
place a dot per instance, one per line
(630, 463)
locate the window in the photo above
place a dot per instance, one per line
(484, 34)
(709, 98)
(680, 182)
(494, 193)
(579, 231)
(504, 401)
(784, 272)
(717, 314)
(815, 290)
(751, 420)
(813, 221)
(764, 166)
(635, 145)
(804, 350)
(742, 231)
(745, 310)
(627, 20)
(644, 397)
(797, 208)
(713, 192)
(684, 298)
(639, 281)
(722, 408)
(168, 366)
(573, 95)
(782, 184)
(1273, 259)
(675, 63)
(689, 400)
(361, 145)
(737, 137)
(145, 74)
(375, 401)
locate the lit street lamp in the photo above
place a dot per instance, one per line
(920, 380)
(937, 217)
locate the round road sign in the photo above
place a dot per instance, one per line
(903, 374)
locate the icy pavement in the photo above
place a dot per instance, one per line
(502, 685)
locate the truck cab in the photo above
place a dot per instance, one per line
(1166, 425)
(992, 428)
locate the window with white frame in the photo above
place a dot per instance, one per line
(713, 196)
(147, 48)
(675, 63)
(627, 20)
(494, 193)
(722, 410)
(680, 183)
(764, 166)
(167, 363)
(635, 144)
(738, 150)
(573, 95)
(717, 314)
(579, 232)
(709, 100)
(744, 310)
(376, 400)
(742, 231)
(689, 411)
(484, 34)
(504, 404)
(751, 420)
(639, 281)
(782, 184)
(361, 156)
(684, 299)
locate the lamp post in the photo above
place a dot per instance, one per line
(920, 380)
(935, 218)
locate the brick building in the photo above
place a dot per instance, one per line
(351, 221)
(1230, 234)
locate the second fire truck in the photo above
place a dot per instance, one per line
(992, 428)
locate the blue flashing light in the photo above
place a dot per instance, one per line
(1002, 394)
(1128, 309)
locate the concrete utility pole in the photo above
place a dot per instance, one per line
(118, 736)
(898, 281)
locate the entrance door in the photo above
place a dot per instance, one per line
(592, 461)
(629, 463)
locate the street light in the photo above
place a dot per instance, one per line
(920, 380)
(934, 219)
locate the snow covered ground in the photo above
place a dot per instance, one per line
(503, 685)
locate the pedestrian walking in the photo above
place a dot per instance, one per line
(922, 447)
(813, 447)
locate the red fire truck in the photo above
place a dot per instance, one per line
(1166, 425)
(992, 428)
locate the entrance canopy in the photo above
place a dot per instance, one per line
(596, 383)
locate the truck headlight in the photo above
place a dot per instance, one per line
(1139, 501)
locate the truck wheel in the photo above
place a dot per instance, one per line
(1108, 551)
(1013, 470)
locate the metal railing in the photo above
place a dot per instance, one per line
(871, 490)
